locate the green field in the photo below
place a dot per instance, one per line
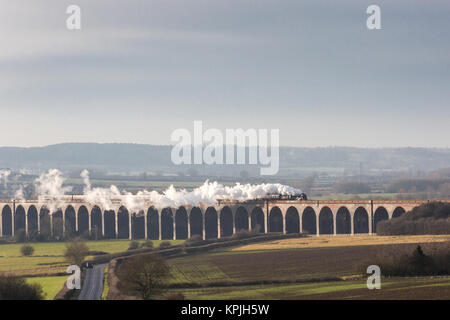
(48, 257)
(48, 261)
(395, 288)
(50, 285)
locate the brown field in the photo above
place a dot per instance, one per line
(234, 266)
(341, 241)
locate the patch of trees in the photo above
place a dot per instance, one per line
(351, 187)
(417, 185)
(435, 260)
(428, 218)
(14, 288)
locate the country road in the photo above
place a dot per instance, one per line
(92, 287)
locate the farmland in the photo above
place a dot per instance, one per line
(339, 241)
(396, 288)
(47, 263)
(301, 268)
(48, 257)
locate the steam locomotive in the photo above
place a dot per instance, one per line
(279, 196)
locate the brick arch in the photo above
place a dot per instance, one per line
(275, 220)
(19, 218)
(167, 224)
(211, 223)
(309, 221)
(138, 225)
(196, 221)
(241, 218)
(7, 221)
(70, 222)
(153, 223)
(83, 220)
(96, 217)
(181, 223)
(292, 220)
(109, 220)
(398, 211)
(32, 217)
(257, 220)
(343, 221)
(326, 221)
(379, 215)
(123, 223)
(361, 220)
(226, 221)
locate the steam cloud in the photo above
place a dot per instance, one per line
(4, 174)
(50, 190)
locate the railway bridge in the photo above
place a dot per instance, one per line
(317, 217)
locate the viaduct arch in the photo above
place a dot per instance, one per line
(206, 221)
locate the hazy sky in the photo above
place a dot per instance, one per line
(137, 70)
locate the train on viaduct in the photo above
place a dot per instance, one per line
(224, 218)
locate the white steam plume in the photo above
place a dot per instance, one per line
(208, 194)
(4, 174)
(50, 190)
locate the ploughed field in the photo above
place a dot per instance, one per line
(393, 288)
(327, 268)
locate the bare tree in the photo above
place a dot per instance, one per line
(76, 251)
(144, 275)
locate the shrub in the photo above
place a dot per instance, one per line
(27, 250)
(147, 244)
(194, 240)
(133, 245)
(76, 251)
(242, 234)
(165, 244)
(13, 288)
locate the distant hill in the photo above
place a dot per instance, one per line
(138, 157)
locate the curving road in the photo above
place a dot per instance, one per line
(92, 287)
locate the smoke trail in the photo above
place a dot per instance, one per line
(19, 195)
(50, 190)
(4, 174)
(208, 194)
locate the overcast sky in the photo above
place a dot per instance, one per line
(137, 70)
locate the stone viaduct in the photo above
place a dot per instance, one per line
(208, 221)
